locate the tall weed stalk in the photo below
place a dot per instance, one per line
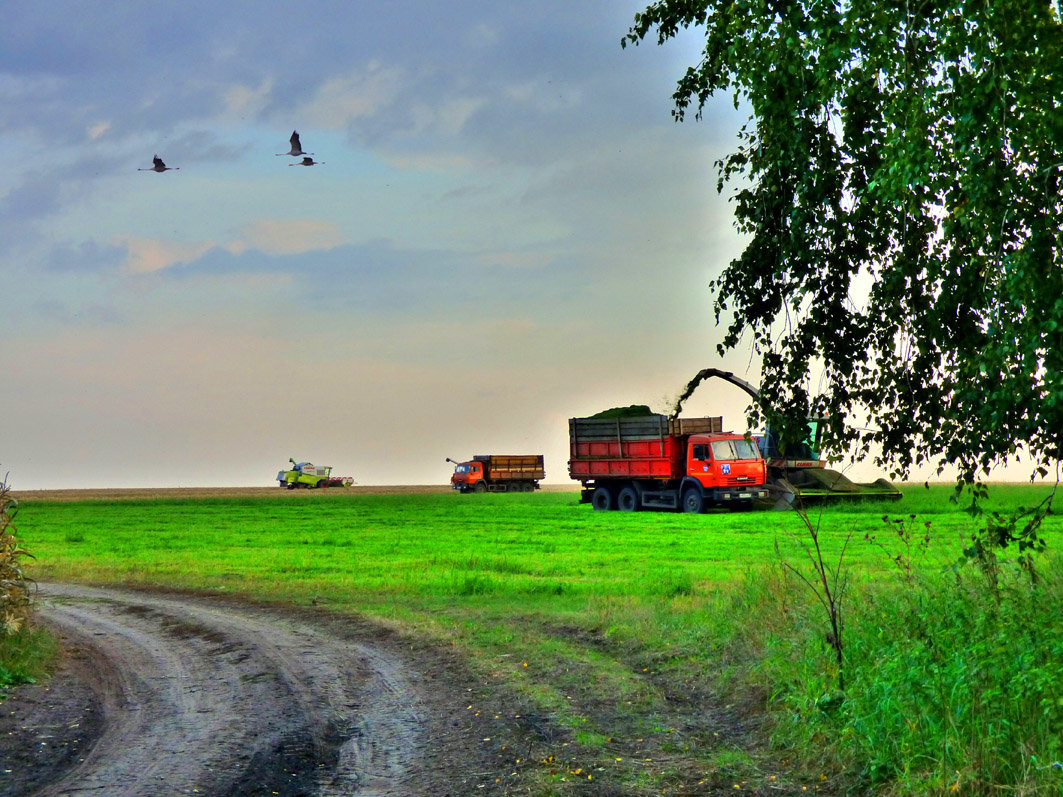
(14, 585)
(827, 582)
(25, 652)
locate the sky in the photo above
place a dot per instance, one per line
(507, 229)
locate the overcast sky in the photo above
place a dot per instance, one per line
(507, 230)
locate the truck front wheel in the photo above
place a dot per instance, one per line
(480, 487)
(627, 500)
(693, 502)
(602, 499)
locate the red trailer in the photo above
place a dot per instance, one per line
(656, 462)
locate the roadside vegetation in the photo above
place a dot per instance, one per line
(25, 651)
(658, 653)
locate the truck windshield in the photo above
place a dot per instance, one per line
(734, 449)
(461, 469)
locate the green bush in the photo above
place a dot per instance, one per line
(950, 687)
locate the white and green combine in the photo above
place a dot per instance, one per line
(309, 476)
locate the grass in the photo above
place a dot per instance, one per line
(653, 643)
(26, 656)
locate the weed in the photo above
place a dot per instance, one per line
(908, 546)
(14, 585)
(828, 582)
(24, 651)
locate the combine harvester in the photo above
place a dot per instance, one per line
(309, 476)
(799, 474)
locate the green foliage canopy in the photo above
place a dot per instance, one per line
(898, 180)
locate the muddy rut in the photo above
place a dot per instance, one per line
(188, 695)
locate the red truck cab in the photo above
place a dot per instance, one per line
(467, 475)
(728, 466)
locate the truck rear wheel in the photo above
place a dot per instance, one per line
(628, 500)
(602, 499)
(693, 502)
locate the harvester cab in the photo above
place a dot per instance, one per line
(798, 471)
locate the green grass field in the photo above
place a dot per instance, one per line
(354, 548)
(599, 620)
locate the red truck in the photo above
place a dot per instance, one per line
(498, 473)
(656, 462)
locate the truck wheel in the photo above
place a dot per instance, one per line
(693, 501)
(602, 499)
(480, 488)
(628, 500)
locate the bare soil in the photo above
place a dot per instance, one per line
(161, 693)
(156, 493)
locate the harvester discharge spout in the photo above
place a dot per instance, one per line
(804, 476)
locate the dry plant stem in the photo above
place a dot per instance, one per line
(828, 586)
(14, 586)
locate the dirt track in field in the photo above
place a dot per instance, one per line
(164, 694)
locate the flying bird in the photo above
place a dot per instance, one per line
(297, 148)
(159, 166)
(308, 162)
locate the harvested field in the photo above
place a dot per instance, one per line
(163, 493)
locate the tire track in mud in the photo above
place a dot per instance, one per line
(232, 700)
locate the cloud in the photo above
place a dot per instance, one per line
(241, 100)
(147, 256)
(287, 236)
(87, 257)
(343, 99)
(513, 259)
(270, 237)
(447, 118)
(87, 314)
(97, 131)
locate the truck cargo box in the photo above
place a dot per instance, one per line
(647, 447)
(513, 466)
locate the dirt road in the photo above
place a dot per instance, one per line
(170, 694)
